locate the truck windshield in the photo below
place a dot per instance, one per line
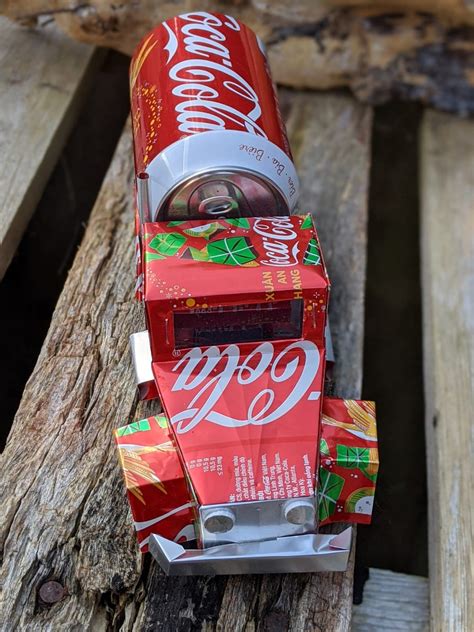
(279, 320)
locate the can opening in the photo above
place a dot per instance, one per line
(217, 206)
(215, 198)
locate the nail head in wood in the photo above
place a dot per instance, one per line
(51, 592)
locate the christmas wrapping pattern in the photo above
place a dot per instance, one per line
(196, 266)
(348, 461)
(160, 498)
(155, 481)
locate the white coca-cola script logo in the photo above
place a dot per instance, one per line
(197, 373)
(201, 108)
(277, 233)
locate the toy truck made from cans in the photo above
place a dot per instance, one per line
(249, 458)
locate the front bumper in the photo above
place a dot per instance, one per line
(294, 554)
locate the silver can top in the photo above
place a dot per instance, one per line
(223, 194)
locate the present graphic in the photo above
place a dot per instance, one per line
(156, 485)
(349, 461)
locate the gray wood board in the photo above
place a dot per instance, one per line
(447, 245)
(393, 601)
(43, 79)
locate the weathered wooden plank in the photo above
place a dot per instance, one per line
(63, 510)
(447, 194)
(66, 515)
(392, 601)
(43, 77)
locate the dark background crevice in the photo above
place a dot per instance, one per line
(393, 346)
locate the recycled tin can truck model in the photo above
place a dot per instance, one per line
(249, 458)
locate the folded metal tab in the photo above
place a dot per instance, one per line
(293, 554)
(330, 357)
(141, 358)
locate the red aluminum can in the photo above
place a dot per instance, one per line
(209, 140)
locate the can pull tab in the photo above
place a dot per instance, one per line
(218, 198)
(218, 205)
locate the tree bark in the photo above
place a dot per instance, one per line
(395, 50)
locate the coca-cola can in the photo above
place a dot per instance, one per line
(209, 140)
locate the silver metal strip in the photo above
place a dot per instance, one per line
(263, 520)
(143, 197)
(293, 554)
(141, 357)
(330, 357)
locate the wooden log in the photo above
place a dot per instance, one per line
(381, 50)
(43, 80)
(457, 11)
(70, 558)
(394, 602)
(447, 193)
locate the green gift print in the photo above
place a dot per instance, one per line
(137, 426)
(312, 256)
(307, 223)
(231, 251)
(330, 488)
(161, 421)
(323, 447)
(240, 222)
(355, 458)
(167, 244)
(347, 456)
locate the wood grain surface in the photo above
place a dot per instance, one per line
(392, 602)
(410, 49)
(43, 77)
(447, 200)
(66, 518)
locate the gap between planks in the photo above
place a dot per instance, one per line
(44, 77)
